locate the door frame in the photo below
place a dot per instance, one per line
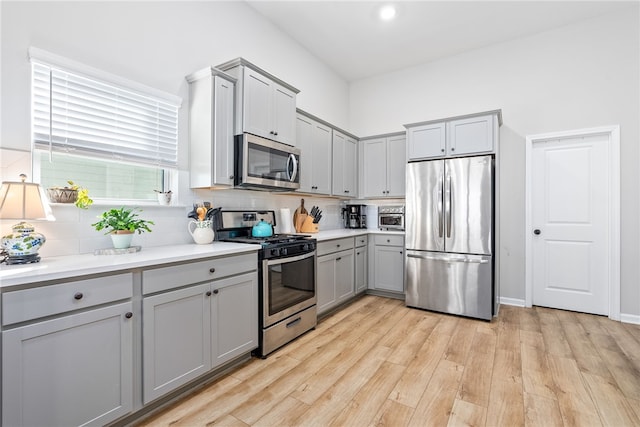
(613, 245)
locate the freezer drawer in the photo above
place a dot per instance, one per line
(450, 283)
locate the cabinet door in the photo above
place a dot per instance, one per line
(304, 139)
(257, 105)
(338, 161)
(234, 317)
(471, 135)
(223, 132)
(426, 141)
(361, 269)
(374, 165)
(389, 272)
(326, 282)
(321, 159)
(176, 337)
(345, 288)
(396, 165)
(73, 370)
(283, 115)
(350, 167)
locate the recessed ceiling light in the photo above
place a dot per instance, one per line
(387, 12)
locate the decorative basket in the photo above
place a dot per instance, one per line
(62, 195)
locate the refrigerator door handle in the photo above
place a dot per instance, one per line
(447, 206)
(439, 208)
(451, 259)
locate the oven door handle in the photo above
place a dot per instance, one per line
(289, 259)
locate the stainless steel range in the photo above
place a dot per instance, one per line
(286, 273)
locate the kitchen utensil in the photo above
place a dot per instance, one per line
(309, 226)
(262, 229)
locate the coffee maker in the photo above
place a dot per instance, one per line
(354, 216)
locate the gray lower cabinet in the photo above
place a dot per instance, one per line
(68, 371)
(360, 265)
(388, 263)
(188, 332)
(335, 275)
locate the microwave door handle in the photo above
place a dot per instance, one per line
(294, 173)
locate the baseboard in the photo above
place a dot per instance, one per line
(512, 301)
(630, 318)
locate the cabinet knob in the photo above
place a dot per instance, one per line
(388, 240)
(275, 133)
(453, 148)
(215, 291)
(442, 150)
(128, 315)
(78, 295)
(337, 246)
(339, 258)
(231, 177)
(270, 132)
(212, 270)
(208, 293)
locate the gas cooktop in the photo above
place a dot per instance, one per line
(275, 239)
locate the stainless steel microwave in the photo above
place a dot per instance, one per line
(265, 165)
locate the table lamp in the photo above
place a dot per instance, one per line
(23, 200)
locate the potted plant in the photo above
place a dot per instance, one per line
(72, 194)
(120, 224)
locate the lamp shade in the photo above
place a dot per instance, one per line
(24, 200)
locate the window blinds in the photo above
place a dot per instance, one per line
(76, 114)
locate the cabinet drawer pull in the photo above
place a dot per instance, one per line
(215, 291)
(208, 293)
(212, 270)
(78, 295)
(339, 258)
(128, 315)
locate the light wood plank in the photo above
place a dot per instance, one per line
(536, 377)
(613, 408)
(467, 414)
(506, 403)
(283, 414)
(365, 404)
(476, 379)
(540, 411)
(460, 344)
(392, 414)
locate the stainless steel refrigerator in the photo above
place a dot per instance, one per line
(450, 236)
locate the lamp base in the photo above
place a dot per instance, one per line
(22, 259)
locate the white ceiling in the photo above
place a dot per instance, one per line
(349, 38)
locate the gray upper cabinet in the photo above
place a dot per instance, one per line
(383, 166)
(314, 141)
(344, 165)
(211, 105)
(472, 134)
(265, 105)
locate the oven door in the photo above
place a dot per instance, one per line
(288, 286)
(391, 221)
(267, 164)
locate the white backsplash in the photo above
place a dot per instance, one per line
(71, 233)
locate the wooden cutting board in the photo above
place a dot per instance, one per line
(299, 216)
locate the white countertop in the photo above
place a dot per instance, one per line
(62, 267)
(65, 267)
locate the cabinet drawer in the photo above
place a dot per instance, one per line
(389, 240)
(361, 241)
(335, 245)
(164, 278)
(20, 306)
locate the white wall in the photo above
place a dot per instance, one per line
(580, 76)
(157, 44)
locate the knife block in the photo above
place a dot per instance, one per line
(308, 226)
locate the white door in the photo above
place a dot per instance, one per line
(570, 203)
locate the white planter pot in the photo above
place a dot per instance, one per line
(121, 240)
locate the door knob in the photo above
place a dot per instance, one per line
(536, 231)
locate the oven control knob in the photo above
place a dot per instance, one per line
(305, 247)
(283, 251)
(275, 252)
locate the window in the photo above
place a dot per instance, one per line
(113, 136)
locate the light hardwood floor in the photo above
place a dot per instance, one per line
(376, 362)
